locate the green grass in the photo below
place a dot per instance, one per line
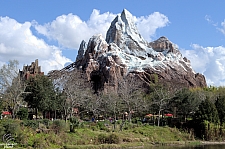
(159, 134)
(91, 135)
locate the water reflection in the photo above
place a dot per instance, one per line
(219, 146)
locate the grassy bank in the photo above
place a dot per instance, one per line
(58, 134)
(170, 145)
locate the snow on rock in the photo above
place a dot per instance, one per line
(125, 51)
(82, 49)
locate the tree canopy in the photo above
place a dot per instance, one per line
(43, 95)
(220, 106)
(207, 111)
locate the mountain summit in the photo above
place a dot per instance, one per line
(125, 34)
(125, 52)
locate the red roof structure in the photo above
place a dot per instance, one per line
(148, 115)
(169, 115)
(6, 113)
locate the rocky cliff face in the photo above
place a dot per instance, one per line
(125, 52)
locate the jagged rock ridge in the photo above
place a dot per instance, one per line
(125, 51)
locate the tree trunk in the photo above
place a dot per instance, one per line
(114, 117)
(13, 109)
(13, 112)
(114, 121)
(65, 115)
(129, 116)
(36, 113)
(159, 117)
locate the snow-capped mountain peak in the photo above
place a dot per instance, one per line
(125, 51)
(125, 34)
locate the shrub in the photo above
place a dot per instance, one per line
(54, 139)
(101, 125)
(102, 138)
(46, 122)
(119, 122)
(127, 125)
(30, 123)
(94, 128)
(39, 142)
(24, 136)
(74, 123)
(59, 125)
(109, 139)
(11, 127)
(80, 142)
(22, 113)
(114, 139)
(2, 130)
(135, 120)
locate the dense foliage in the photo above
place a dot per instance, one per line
(55, 134)
(22, 113)
(207, 111)
(42, 95)
(220, 106)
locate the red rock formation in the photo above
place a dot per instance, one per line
(126, 52)
(31, 70)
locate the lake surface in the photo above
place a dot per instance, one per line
(218, 146)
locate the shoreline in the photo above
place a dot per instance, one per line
(212, 142)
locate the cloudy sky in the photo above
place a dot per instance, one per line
(51, 31)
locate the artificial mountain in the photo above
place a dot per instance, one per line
(124, 53)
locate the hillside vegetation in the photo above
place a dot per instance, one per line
(58, 134)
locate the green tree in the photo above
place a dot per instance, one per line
(185, 102)
(43, 95)
(220, 106)
(22, 113)
(207, 111)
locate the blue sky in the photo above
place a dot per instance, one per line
(51, 30)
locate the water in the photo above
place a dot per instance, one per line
(218, 146)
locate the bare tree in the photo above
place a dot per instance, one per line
(160, 97)
(97, 104)
(130, 94)
(12, 85)
(74, 87)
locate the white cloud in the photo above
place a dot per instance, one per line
(209, 61)
(100, 23)
(222, 29)
(18, 42)
(148, 25)
(69, 30)
(55, 62)
(210, 21)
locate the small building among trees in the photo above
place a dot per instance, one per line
(31, 70)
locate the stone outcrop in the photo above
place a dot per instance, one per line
(31, 70)
(125, 52)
